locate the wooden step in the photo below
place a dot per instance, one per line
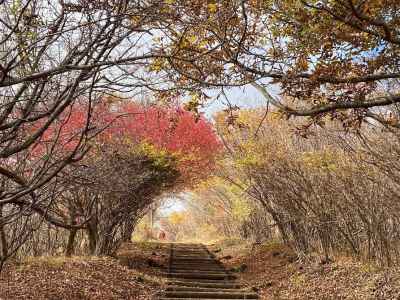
(210, 284)
(197, 270)
(212, 276)
(178, 288)
(210, 295)
(194, 273)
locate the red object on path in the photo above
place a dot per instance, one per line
(161, 235)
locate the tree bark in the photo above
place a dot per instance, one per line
(127, 231)
(3, 238)
(70, 250)
(93, 237)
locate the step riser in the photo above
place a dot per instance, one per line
(200, 276)
(204, 281)
(210, 295)
(210, 270)
(213, 272)
(201, 266)
(198, 289)
(207, 285)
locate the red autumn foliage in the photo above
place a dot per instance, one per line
(175, 130)
(64, 134)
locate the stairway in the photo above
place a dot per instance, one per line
(194, 273)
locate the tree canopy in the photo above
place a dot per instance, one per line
(328, 58)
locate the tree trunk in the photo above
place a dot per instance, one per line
(127, 231)
(3, 238)
(151, 217)
(93, 237)
(70, 250)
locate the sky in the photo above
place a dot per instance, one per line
(172, 204)
(245, 97)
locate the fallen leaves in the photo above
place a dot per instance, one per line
(275, 274)
(75, 278)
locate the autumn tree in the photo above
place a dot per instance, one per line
(329, 193)
(173, 129)
(144, 152)
(140, 153)
(328, 58)
(56, 56)
(224, 205)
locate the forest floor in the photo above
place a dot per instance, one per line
(130, 275)
(270, 269)
(275, 272)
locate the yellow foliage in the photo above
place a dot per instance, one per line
(206, 184)
(241, 208)
(161, 157)
(212, 8)
(239, 204)
(203, 44)
(187, 157)
(252, 154)
(176, 218)
(320, 160)
(157, 65)
(192, 39)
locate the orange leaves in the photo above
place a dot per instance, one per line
(302, 63)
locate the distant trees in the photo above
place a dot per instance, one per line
(223, 205)
(178, 225)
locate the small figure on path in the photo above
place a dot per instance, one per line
(162, 235)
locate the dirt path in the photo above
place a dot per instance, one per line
(194, 273)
